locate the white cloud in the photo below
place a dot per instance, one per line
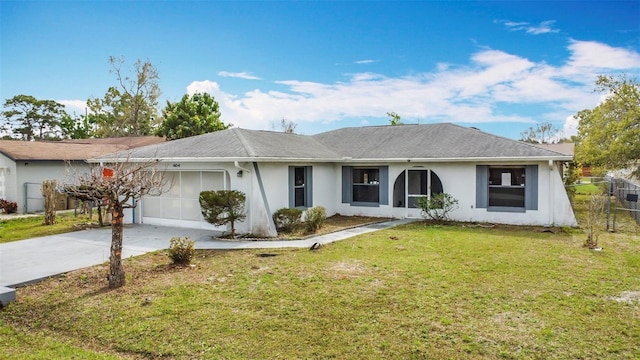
(78, 107)
(366, 61)
(592, 54)
(494, 80)
(239, 75)
(544, 27)
(569, 129)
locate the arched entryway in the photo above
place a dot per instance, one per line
(413, 184)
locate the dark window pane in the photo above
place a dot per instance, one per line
(413, 202)
(366, 193)
(506, 196)
(299, 176)
(398, 191)
(506, 176)
(366, 176)
(299, 197)
(436, 184)
(418, 182)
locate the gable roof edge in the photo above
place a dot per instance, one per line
(244, 142)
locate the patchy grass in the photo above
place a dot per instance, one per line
(414, 291)
(13, 344)
(20, 228)
(332, 224)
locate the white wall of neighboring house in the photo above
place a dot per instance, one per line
(32, 173)
(10, 188)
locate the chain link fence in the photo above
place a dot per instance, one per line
(626, 194)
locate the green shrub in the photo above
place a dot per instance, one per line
(314, 218)
(438, 206)
(181, 250)
(287, 219)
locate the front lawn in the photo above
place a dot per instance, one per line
(416, 291)
(27, 227)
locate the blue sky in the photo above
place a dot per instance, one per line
(498, 66)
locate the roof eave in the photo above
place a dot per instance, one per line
(464, 159)
(339, 160)
(216, 159)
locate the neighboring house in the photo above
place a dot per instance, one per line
(25, 164)
(563, 148)
(567, 148)
(374, 171)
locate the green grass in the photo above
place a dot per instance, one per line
(29, 227)
(413, 292)
(589, 189)
(40, 346)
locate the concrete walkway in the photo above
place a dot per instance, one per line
(26, 261)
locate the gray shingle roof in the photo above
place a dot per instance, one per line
(428, 141)
(239, 144)
(399, 143)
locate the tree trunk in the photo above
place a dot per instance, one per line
(116, 272)
(49, 195)
(100, 221)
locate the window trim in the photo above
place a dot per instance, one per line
(530, 188)
(308, 187)
(431, 177)
(383, 186)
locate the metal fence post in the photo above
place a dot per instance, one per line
(609, 191)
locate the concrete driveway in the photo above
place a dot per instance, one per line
(26, 261)
(30, 260)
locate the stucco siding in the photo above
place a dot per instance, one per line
(10, 179)
(33, 173)
(458, 179)
(326, 187)
(270, 191)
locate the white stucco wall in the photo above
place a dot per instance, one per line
(34, 172)
(327, 187)
(242, 177)
(458, 179)
(8, 166)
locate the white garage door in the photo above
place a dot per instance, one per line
(179, 205)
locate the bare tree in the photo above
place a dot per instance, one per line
(286, 126)
(596, 207)
(130, 108)
(117, 185)
(543, 133)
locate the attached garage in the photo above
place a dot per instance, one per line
(179, 204)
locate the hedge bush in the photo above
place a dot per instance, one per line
(286, 219)
(314, 218)
(181, 250)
